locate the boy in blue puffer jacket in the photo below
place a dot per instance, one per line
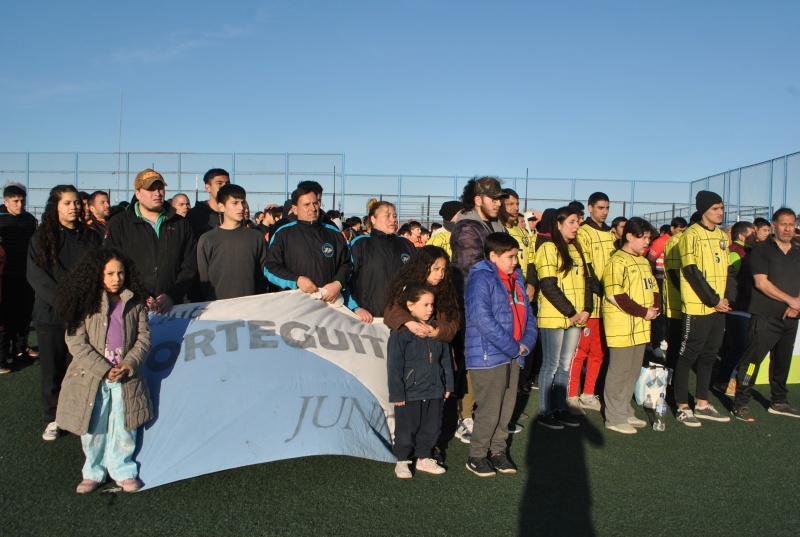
(501, 331)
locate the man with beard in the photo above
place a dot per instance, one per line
(481, 198)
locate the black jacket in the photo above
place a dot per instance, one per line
(166, 263)
(16, 233)
(202, 218)
(376, 258)
(72, 244)
(316, 251)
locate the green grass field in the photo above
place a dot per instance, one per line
(720, 479)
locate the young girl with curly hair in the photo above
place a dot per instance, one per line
(431, 266)
(104, 396)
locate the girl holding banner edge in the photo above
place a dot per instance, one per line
(104, 396)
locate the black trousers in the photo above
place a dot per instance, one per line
(701, 339)
(16, 309)
(736, 337)
(54, 358)
(766, 335)
(416, 428)
(674, 336)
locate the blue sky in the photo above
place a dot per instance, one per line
(614, 89)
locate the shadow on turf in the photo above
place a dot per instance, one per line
(557, 499)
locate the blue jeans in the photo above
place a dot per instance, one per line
(558, 350)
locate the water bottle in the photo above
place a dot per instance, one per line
(661, 411)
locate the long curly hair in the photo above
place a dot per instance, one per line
(80, 293)
(415, 272)
(46, 249)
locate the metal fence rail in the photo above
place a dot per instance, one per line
(270, 177)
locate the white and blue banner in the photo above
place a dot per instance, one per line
(262, 378)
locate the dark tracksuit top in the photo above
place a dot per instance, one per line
(316, 251)
(376, 259)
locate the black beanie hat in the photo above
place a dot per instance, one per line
(705, 199)
(449, 209)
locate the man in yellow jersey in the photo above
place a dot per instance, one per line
(775, 307)
(441, 237)
(707, 286)
(509, 216)
(597, 241)
(672, 295)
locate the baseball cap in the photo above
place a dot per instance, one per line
(146, 178)
(490, 187)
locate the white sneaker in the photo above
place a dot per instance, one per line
(464, 431)
(429, 466)
(51, 432)
(590, 402)
(401, 470)
(624, 428)
(514, 428)
(574, 406)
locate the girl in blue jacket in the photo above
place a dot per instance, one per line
(420, 376)
(501, 330)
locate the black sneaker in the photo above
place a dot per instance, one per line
(480, 467)
(524, 389)
(566, 418)
(743, 414)
(550, 422)
(502, 464)
(784, 409)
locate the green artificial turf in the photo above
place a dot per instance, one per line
(721, 479)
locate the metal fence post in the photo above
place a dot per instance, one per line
(27, 170)
(633, 197)
(769, 204)
(233, 167)
(286, 177)
(785, 177)
(343, 186)
(76, 170)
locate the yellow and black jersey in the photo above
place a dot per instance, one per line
(672, 261)
(525, 245)
(597, 245)
(708, 250)
(572, 284)
(632, 276)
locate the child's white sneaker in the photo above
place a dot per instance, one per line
(401, 469)
(429, 466)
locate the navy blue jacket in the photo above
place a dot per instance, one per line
(489, 340)
(418, 368)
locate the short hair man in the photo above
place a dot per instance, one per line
(181, 204)
(16, 307)
(99, 211)
(231, 257)
(160, 243)
(775, 308)
(763, 227)
(307, 254)
(204, 216)
(707, 286)
(737, 320)
(597, 241)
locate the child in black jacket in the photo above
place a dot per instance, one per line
(420, 379)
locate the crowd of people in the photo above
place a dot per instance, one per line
(487, 306)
